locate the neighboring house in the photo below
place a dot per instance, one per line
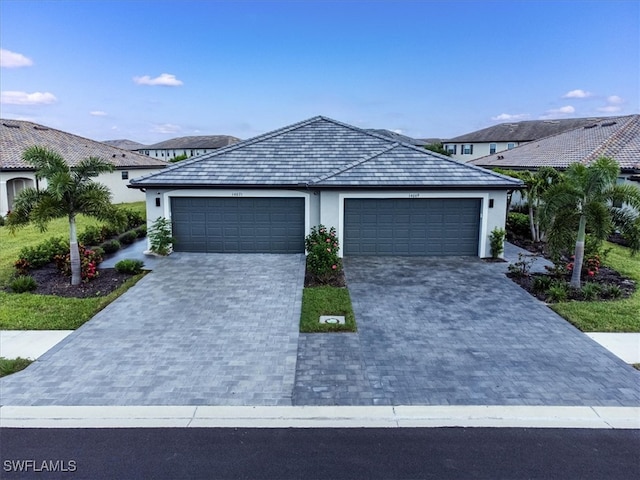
(416, 142)
(189, 146)
(124, 144)
(15, 174)
(617, 138)
(384, 197)
(507, 136)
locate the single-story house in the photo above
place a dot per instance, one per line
(383, 197)
(506, 136)
(15, 174)
(615, 137)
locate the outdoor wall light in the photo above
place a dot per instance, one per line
(157, 201)
(491, 203)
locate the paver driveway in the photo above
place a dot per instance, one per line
(439, 331)
(200, 329)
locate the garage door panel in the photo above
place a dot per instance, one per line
(447, 226)
(238, 225)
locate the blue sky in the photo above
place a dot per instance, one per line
(153, 70)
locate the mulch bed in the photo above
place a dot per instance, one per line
(606, 276)
(51, 282)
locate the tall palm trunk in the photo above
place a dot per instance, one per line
(74, 252)
(579, 253)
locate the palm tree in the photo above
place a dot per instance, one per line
(587, 196)
(69, 191)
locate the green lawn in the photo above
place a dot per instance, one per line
(318, 301)
(13, 365)
(614, 315)
(46, 312)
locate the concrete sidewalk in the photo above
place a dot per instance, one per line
(399, 416)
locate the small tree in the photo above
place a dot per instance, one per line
(437, 148)
(586, 198)
(160, 236)
(69, 192)
(496, 241)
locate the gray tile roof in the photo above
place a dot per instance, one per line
(199, 141)
(526, 131)
(124, 144)
(617, 138)
(17, 135)
(398, 137)
(321, 152)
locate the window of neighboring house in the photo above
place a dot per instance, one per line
(192, 153)
(146, 152)
(492, 148)
(510, 146)
(452, 149)
(125, 175)
(467, 149)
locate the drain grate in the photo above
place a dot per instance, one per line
(332, 319)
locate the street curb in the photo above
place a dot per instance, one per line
(319, 417)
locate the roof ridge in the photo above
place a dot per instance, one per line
(353, 164)
(599, 150)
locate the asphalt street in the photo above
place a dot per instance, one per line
(409, 453)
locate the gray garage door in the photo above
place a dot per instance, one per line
(238, 225)
(411, 226)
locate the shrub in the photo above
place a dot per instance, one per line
(590, 291)
(518, 224)
(129, 266)
(322, 253)
(558, 291)
(496, 240)
(109, 230)
(141, 231)
(134, 218)
(127, 238)
(92, 235)
(23, 283)
(110, 246)
(522, 267)
(160, 236)
(43, 253)
(89, 260)
(611, 290)
(541, 283)
(1, 221)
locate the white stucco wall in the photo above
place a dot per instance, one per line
(480, 149)
(119, 191)
(327, 207)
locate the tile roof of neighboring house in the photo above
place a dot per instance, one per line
(618, 138)
(324, 152)
(398, 136)
(124, 144)
(200, 141)
(17, 135)
(526, 131)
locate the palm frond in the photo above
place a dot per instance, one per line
(91, 167)
(45, 161)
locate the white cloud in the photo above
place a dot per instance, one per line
(24, 98)
(614, 99)
(166, 128)
(166, 80)
(508, 117)
(98, 113)
(577, 94)
(9, 59)
(610, 109)
(566, 110)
